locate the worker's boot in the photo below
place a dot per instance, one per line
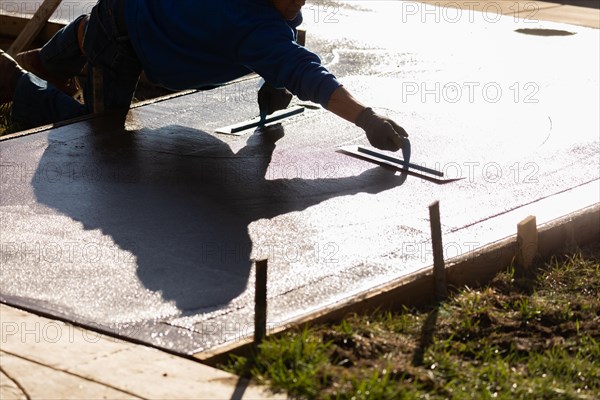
(31, 61)
(10, 72)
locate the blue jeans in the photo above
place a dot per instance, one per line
(36, 102)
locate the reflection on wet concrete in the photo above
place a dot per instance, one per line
(173, 206)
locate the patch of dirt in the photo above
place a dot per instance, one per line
(519, 316)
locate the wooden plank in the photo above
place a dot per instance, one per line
(522, 9)
(58, 350)
(583, 14)
(570, 14)
(12, 25)
(40, 381)
(34, 26)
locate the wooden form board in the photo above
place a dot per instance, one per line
(34, 26)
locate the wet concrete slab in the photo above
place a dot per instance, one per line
(148, 232)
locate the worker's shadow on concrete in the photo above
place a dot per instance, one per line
(180, 201)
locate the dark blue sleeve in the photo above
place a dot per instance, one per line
(271, 52)
(295, 23)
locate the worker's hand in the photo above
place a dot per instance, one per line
(382, 132)
(271, 99)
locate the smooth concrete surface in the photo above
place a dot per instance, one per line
(45, 359)
(148, 232)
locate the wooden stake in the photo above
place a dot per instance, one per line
(527, 242)
(260, 303)
(33, 27)
(439, 270)
(301, 40)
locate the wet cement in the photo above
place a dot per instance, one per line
(148, 231)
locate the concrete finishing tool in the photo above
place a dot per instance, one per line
(241, 128)
(396, 164)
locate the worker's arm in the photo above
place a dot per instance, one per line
(285, 64)
(344, 105)
(382, 132)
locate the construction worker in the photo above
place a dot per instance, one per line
(183, 44)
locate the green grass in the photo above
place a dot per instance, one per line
(294, 362)
(5, 118)
(518, 338)
(6, 127)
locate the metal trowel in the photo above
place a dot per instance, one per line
(396, 164)
(241, 128)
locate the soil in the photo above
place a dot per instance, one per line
(501, 323)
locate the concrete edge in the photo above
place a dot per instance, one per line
(88, 117)
(110, 114)
(563, 234)
(44, 128)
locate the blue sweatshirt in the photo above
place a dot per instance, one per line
(195, 44)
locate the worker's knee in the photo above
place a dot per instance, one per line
(62, 56)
